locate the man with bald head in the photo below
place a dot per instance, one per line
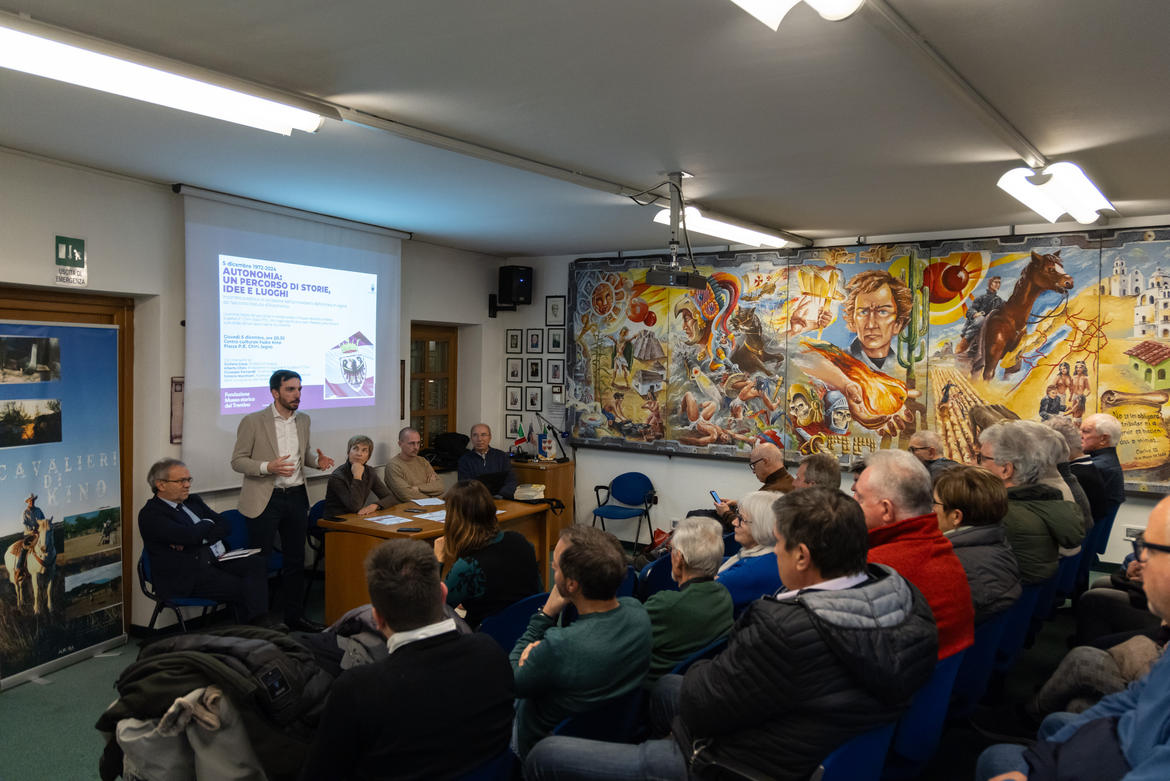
(409, 475)
(767, 464)
(1126, 734)
(486, 464)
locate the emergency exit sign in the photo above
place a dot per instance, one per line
(70, 260)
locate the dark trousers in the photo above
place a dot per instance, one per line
(287, 512)
(1104, 611)
(242, 583)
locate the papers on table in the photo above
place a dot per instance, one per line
(428, 502)
(438, 515)
(239, 553)
(388, 520)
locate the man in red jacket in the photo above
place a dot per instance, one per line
(894, 492)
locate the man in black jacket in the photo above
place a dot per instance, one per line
(1099, 470)
(182, 535)
(438, 707)
(838, 651)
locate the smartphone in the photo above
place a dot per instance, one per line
(413, 510)
(715, 496)
(409, 529)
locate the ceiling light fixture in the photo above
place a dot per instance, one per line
(772, 12)
(720, 228)
(1066, 189)
(53, 59)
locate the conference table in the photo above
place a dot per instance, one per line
(351, 537)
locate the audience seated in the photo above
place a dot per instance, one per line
(409, 475)
(971, 503)
(818, 469)
(1052, 449)
(1126, 734)
(352, 483)
(800, 676)
(1116, 603)
(438, 707)
(486, 569)
(604, 653)
(751, 572)
(483, 461)
(894, 492)
(1038, 522)
(1098, 469)
(927, 447)
(700, 612)
(182, 536)
(767, 464)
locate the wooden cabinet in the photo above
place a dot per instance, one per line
(558, 483)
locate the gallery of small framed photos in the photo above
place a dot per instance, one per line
(534, 370)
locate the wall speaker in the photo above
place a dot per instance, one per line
(515, 285)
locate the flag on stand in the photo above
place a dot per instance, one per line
(521, 437)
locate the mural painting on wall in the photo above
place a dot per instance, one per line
(849, 349)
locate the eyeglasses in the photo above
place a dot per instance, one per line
(980, 458)
(752, 464)
(1140, 545)
(183, 480)
(913, 448)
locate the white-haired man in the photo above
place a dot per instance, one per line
(1100, 434)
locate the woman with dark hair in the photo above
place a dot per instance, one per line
(485, 569)
(970, 503)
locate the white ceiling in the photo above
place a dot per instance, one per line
(824, 129)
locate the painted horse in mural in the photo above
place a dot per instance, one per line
(1003, 328)
(40, 567)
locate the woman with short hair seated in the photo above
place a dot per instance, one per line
(751, 573)
(700, 612)
(1038, 521)
(970, 503)
(352, 483)
(485, 569)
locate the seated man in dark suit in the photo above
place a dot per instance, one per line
(490, 466)
(1099, 470)
(439, 706)
(182, 536)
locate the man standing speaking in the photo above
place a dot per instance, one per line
(272, 450)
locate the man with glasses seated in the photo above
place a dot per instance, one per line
(182, 536)
(767, 464)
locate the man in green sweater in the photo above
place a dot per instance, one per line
(700, 612)
(603, 654)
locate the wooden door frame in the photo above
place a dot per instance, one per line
(59, 306)
(443, 332)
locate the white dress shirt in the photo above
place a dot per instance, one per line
(287, 443)
(399, 639)
(833, 584)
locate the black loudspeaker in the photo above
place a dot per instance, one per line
(515, 285)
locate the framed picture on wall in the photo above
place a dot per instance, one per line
(515, 370)
(558, 394)
(556, 340)
(554, 310)
(533, 398)
(535, 371)
(535, 340)
(512, 426)
(514, 341)
(556, 370)
(513, 398)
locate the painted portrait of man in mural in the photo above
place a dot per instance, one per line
(877, 307)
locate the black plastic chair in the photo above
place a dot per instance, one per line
(629, 495)
(162, 603)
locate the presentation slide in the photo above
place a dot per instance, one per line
(319, 322)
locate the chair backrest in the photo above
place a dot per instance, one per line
(917, 733)
(629, 583)
(238, 536)
(656, 577)
(616, 720)
(144, 581)
(631, 488)
(1015, 629)
(316, 512)
(860, 758)
(709, 651)
(975, 672)
(506, 626)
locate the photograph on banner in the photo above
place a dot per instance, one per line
(29, 422)
(29, 359)
(60, 530)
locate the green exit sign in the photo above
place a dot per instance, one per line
(70, 252)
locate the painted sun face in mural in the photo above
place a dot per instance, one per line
(603, 297)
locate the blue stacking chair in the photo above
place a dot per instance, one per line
(731, 546)
(629, 583)
(1093, 546)
(506, 626)
(975, 671)
(501, 767)
(617, 720)
(860, 759)
(709, 651)
(1015, 629)
(1066, 576)
(656, 577)
(162, 603)
(629, 495)
(238, 538)
(917, 733)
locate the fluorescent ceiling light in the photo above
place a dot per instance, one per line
(1066, 190)
(772, 12)
(51, 59)
(736, 234)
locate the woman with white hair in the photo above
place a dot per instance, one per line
(751, 573)
(1039, 521)
(700, 612)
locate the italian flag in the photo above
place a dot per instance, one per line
(521, 437)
